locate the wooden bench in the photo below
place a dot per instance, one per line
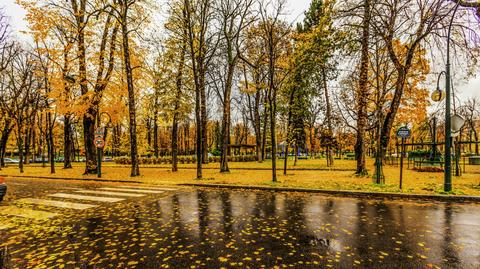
(418, 163)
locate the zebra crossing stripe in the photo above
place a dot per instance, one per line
(54, 203)
(147, 188)
(85, 197)
(133, 190)
(26, 213)
(111, 193)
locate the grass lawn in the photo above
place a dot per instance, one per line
(341, 177)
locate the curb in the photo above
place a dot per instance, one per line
(356, 194)
(80, 179)
(240, 168)
(218, 168)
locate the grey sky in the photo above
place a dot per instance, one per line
(296, 8)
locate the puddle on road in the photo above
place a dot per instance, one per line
(237, 229)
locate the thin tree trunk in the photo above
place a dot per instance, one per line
(265, 126)
(50, 145)
(204, 120)
(20, 147)
(329, 118)
(28, 138)
(296, 155)
(135, 170)
(155, 135)
(176, 115)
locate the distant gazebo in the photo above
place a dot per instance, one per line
(242, 149)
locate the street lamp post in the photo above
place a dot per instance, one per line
(448, 132)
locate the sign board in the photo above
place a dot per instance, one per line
(99, 132)
(404, 132)
(99, 143)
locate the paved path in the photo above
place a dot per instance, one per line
(55, 224)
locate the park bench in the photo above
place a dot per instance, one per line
(418, 163)
(474, 160)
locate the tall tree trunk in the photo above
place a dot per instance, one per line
(79, 8)
(149, 128)
(67, 142)
(155, 135)
(273, 105)
(226, 118)
(176, 113)
(135, 170)
(50, 142)
(273, 138)
(204, 120)
(198, 135)
(312, 141)
(7, 129)
(362, 94)
(88, 137)
(392, 112)
(475, 135)
(289, 124)
(295, 155)
(257, 121)
(20, 147)
(28, 139)
(266, 113)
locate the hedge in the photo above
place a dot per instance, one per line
(184, 159)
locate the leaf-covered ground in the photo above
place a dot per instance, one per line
(340, 178)
(254, 229)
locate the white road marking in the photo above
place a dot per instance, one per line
(88, 198)
(54, 203)
(112, 193)
(131, 190)
(26, 213)
(148, 188)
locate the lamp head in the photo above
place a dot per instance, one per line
(438, 95)
(457, 122)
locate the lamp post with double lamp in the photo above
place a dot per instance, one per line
(447, 185)
(448, 119)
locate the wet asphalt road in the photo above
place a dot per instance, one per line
(204, 228)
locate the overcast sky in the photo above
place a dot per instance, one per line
(295, 10)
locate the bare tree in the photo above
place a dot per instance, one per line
(234, 18)
(363, 91)
(202, 44)
(20, 96)
(274, 33)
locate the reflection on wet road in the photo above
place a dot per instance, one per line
(240, 229)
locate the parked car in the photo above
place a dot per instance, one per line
(3, 188)
(39, 160)
(108, 159)
(10, 161)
